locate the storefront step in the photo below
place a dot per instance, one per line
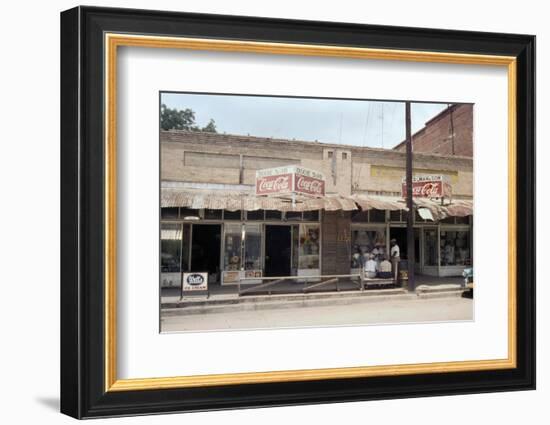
(440, 291)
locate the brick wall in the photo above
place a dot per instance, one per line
(336, 242)
(435, 136)
(196, 157)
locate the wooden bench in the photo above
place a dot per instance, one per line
(376, 281)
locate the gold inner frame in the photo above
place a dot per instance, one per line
(113, 41)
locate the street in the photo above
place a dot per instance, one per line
(380, 312)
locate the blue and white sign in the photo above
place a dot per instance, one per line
(195, 282)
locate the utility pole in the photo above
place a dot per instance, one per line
(410, 207)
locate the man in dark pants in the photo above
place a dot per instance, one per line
(395, 256)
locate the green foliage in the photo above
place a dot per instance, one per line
(210, 127)
(178, 119)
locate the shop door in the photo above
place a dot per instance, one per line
(400, 235)
(205, 251)
(431, 247)
(277, 250)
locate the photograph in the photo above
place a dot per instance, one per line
(265, 211)
(289, 212)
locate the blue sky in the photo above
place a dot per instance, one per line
(352, 122)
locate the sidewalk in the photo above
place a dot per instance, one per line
(291, 293)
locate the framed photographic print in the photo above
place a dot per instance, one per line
(261, 212)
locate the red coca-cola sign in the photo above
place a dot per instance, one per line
(428, 189)
(281, 183)
(290, 179)
(309, 185)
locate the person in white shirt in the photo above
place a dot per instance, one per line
(395, 258)
(384, 269)
(370, 267)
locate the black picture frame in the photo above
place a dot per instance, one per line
(83, 392)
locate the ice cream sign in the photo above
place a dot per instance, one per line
(288, 180)
(195, 282)
(428, 187)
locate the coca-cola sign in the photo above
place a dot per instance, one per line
(290, 179)
(309, 185)
(428, 187)
(281, 183)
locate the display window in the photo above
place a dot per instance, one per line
(309, 248)
(170, 247)
(253, 247)
(232, 247)
(430, 247)
(455, 247)
(365, 242)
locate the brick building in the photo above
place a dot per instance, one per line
(448, 133)
(211, 219)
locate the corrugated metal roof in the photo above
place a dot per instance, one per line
(232, 200)
(377, 202)
(248, 201)
(457, 208)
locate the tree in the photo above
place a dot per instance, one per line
(182, 119)
(174, 119)
(210, 127)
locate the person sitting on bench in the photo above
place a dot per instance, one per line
(370, 267)
(384, 269)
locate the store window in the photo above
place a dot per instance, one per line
(293, 216)
(295, 249)
(253, 247)
(365, 242)
(273, 215)
(395, 216)
(212, 214)
(377, 216)
(448, 220)
(231, 215)
(169, 212)
(311, 215)
(462, 220)
(170, 247)
(359, 216)
(257, 215)
(455, 248)
(189, 214)
(309, 246)
(232, 247)
(430, 247)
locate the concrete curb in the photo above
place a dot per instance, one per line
(282, 301)
(440, 294)
(267, 305)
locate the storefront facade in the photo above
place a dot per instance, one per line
(232, 246)
(235, 246)
(213, 221)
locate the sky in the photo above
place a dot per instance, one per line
(350, 122)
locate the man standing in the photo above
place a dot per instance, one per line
(395, 258)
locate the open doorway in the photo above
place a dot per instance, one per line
(277, 250)
(205, 251)
(400, 235)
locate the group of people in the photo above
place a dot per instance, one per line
(378, 265)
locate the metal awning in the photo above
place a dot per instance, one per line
(233, 200)
(456, 208)
(248, 201)
(377, 202)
